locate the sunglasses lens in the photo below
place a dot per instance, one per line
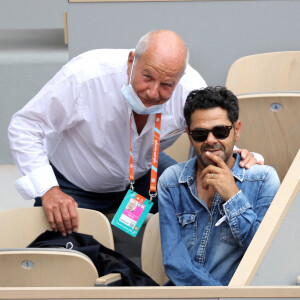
(221, 132)
(200, 135)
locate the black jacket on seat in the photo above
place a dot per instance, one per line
(105, 260)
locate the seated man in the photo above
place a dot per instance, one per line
(209, 206)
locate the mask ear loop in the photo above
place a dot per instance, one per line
(131, 70)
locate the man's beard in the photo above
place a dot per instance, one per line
(206, 161)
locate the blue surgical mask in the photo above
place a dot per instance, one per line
(135, 102)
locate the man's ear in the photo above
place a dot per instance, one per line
(237, 128)
(189, 136)
(130, 62)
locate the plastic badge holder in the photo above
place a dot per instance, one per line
(132, 213)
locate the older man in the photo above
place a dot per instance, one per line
(85, 120)
(210, 207)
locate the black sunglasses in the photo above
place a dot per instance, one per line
(220, 132)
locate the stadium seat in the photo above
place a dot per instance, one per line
(35, 267)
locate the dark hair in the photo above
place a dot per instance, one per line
(211, 97)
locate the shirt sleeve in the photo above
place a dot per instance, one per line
(243, 217)
(54, 109)
(179, 266)
(36, 183)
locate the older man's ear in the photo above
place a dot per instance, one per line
(130, 62)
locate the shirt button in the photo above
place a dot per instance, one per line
(227, 210)
(233, 229)
(202, 243)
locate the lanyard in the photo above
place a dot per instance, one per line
(155, 154)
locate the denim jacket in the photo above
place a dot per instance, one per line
(195, 250)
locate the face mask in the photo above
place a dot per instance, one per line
(135, 102)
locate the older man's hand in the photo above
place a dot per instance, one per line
(247, 159)
(60, 209)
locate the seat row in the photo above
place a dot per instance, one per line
(268, 88)
(21, 266)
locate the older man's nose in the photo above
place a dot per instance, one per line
(153, 92)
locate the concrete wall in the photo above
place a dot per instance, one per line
(30, 14)
(216, 32)
(32, 49)
(28, 59)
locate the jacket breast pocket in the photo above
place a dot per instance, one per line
(188, 227)
(226, 235)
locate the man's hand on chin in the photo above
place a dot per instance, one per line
(220, 177)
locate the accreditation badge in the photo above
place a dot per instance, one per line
(132, 213)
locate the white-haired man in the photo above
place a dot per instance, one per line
(97, 107)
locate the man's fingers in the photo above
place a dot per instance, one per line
(216, 159)
(51, 220)
(205, 184)
(209, 170)
(61, 211)
(244, 153)
(69, 216)
(66, 219)
(58, 219)
(209, 173)
(247, 159)
(252, 161)
(74, 216)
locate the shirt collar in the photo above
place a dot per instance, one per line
(189, 170)
(237, 171)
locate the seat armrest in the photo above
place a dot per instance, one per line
(112, 279)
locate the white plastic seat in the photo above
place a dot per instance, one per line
(35, 267)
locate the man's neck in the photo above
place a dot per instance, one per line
(140, 121)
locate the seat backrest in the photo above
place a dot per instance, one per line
(266, 72)
(19, 227)
(271, 127)
(152, 261)
(272, 258)
(181, 149)
(46, 268)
